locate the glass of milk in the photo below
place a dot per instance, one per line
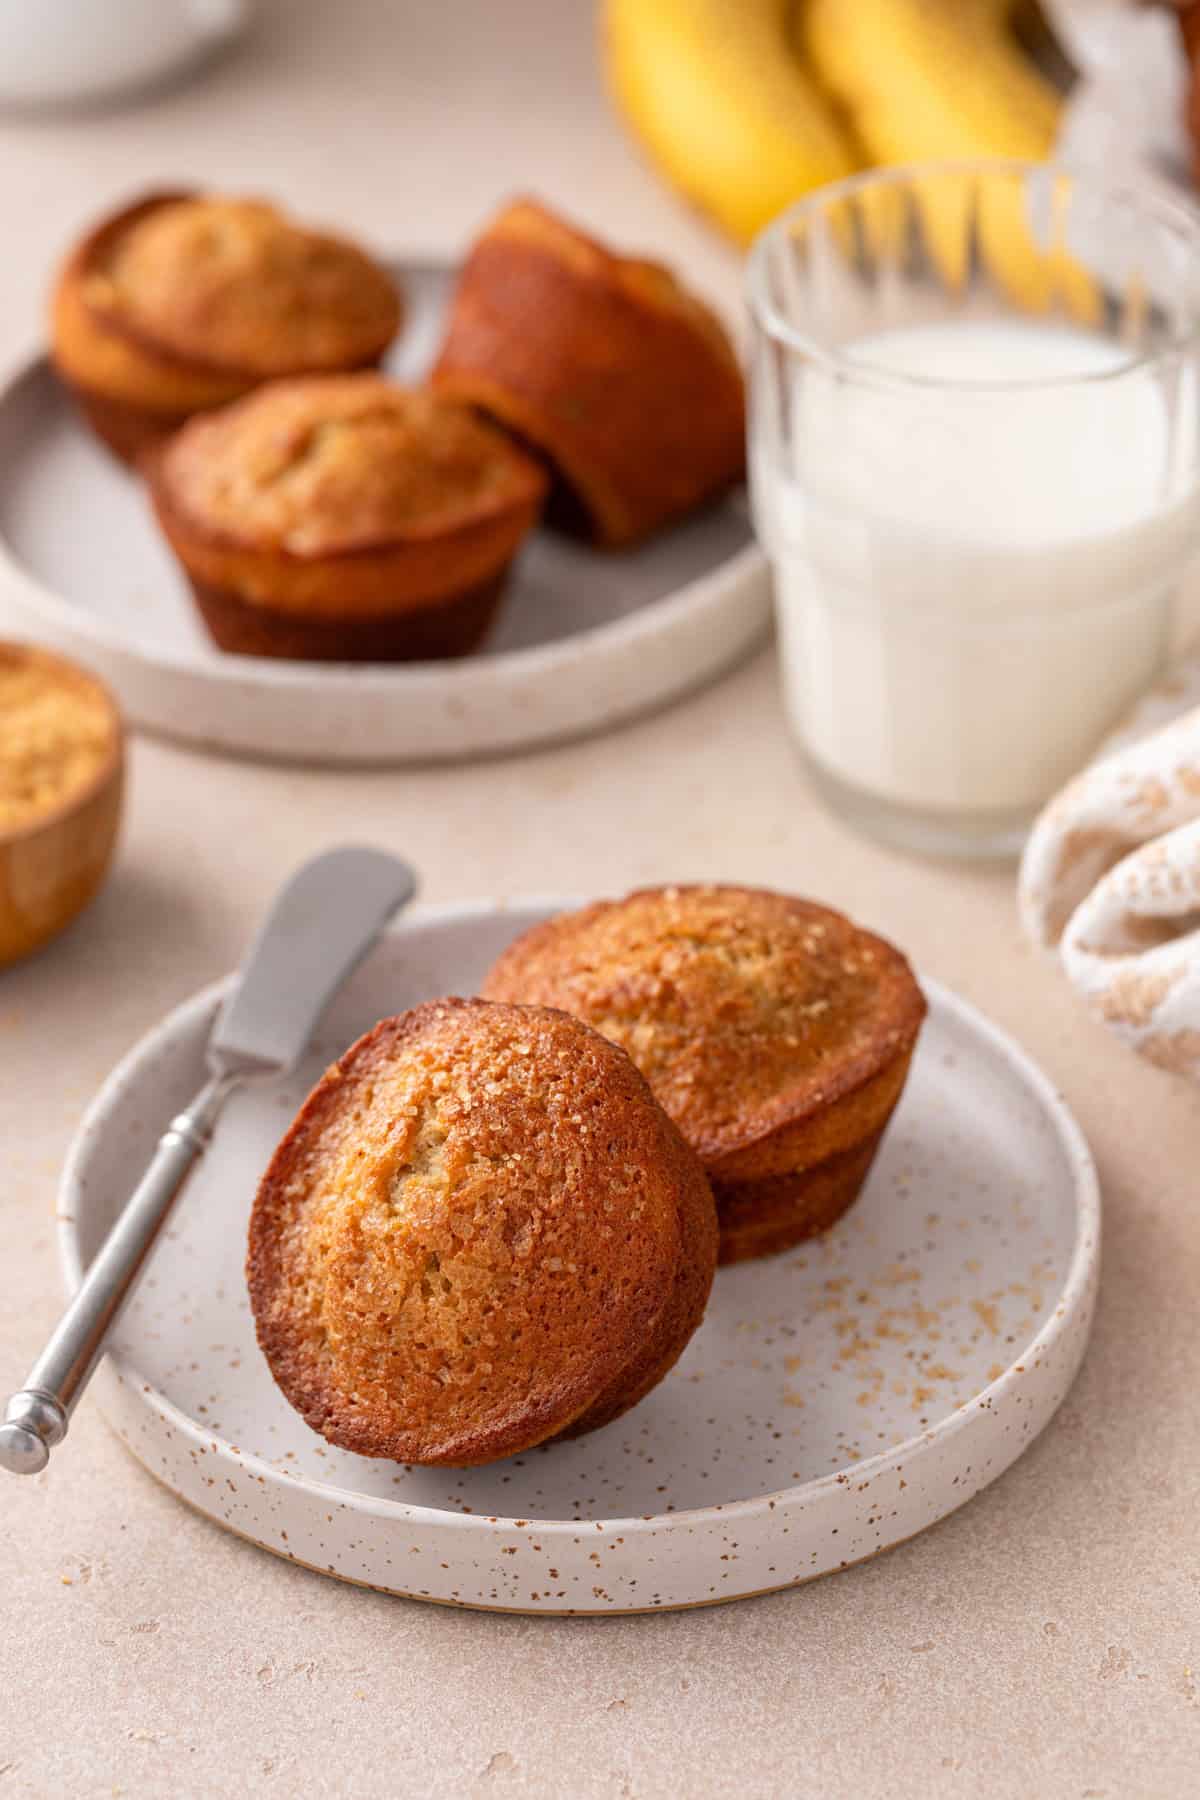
(975, 466)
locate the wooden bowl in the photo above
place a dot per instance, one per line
(54, 862)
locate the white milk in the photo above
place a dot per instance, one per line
(973, 584)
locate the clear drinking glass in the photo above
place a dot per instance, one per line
(974, 462)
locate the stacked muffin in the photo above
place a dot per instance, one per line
(775, 1033)
(209, 341)
(487, 1229)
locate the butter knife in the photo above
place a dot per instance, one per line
(321, 925)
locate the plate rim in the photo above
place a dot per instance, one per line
(1076, 1285)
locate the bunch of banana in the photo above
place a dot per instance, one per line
(746, 104)
(724, 103)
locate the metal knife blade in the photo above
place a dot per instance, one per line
(321, 925)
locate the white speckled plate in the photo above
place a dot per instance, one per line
(835, 1401)
(584, 640)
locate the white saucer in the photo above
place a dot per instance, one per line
(584, 640)
(835, 1401)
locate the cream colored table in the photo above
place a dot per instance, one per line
(1044, 1640)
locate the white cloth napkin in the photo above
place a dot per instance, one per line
(1110, 878)
(1125, 113)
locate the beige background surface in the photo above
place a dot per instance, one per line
(1044, 1640)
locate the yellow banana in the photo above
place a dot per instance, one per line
(940, 79)
(747, 104)
(720, 98)
(930, 78)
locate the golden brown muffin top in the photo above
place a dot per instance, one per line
(744, 1009)
(469, 1231)
(529, 222)
(235, 284)
(339, 463)
(58, 731)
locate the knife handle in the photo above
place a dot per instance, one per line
(36, 1418)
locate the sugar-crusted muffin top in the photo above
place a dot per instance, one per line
(234, 283)
(471, 1228)
(57, 731)
(333, 464)
(744, 1009)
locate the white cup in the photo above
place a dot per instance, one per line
(56, 52)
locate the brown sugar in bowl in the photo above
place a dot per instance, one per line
(61, 779)
(181, 302)
(775, 1033)
(604, 364)
(345, 519)
(480, 1232)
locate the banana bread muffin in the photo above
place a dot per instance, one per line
(620, 378)
(480, 1232)
(775, 1033)
(183, 301)
(345, 518)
